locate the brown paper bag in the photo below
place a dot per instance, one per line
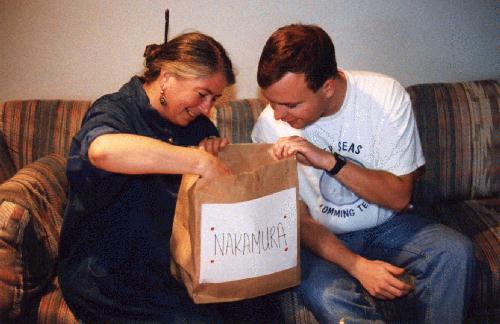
(237, 237)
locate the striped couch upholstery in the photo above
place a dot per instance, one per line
(35, 139)
(459, 129)
(458, 124)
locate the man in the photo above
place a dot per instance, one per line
(356, 139)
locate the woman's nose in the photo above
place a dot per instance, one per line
(205, 106)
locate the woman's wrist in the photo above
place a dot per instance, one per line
(204, 162)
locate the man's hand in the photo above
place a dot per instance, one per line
(213, 144)
(380, 279)
(305, 152)
(377, 277)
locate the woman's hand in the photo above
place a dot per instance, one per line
(213, 167)
(213, 144)
(135, 154)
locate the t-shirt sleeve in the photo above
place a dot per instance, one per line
(105, 117)
(269, 130)
(400, 150)
(262, 131)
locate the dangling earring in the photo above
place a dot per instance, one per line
(163, 100)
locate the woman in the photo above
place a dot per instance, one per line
(124, 171)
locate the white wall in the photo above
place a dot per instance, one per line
(85, 48)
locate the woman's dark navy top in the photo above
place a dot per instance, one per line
(115, 238)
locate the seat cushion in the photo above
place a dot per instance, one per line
(53, 309)
(293, 309)
(31, 204)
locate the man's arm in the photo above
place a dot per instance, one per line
(377, 277)
(376, 186)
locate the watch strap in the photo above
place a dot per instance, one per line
(339, 164)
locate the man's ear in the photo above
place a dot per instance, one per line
(328, 87)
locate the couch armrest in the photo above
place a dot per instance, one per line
(31, 206)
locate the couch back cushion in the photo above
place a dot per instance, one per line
(34, 128)
(235, 119)
(31, 206)
(7, 167)
(458, 125)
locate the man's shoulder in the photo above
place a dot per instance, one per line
(375, 84)
(266, 119)
(267, 129)
(361, 76)
(266, 115)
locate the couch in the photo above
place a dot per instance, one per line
(458, 124)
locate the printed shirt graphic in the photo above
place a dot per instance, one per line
(375, 128)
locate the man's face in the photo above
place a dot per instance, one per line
(293, 102)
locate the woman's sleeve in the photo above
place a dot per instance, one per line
(95, 187)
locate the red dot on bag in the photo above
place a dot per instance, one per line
(284, 216)
(286, 249)
(211, 261)
(212, 228)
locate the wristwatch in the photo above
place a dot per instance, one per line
(340, 161)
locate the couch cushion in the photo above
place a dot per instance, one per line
(35, 128)
(480, 221)
(53, 309)
(293, 308)
(458, 125)
(235, 119)
(7, 167)
(31, 205)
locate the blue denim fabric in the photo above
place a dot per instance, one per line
(440, 259)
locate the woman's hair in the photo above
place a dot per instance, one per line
(298, 49)
(190, 55)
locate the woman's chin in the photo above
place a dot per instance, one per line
(183, 122)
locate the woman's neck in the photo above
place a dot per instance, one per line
(153, 93)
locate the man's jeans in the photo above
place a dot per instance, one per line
(440, 259)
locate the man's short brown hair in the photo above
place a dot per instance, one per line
(298, 49)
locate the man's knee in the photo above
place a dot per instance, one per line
(456, 249)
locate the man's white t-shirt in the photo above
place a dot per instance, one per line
(375, 128)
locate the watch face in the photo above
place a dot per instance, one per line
(340, 157)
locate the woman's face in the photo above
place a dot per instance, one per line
(189, 98)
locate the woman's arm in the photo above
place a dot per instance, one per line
(135, 154)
